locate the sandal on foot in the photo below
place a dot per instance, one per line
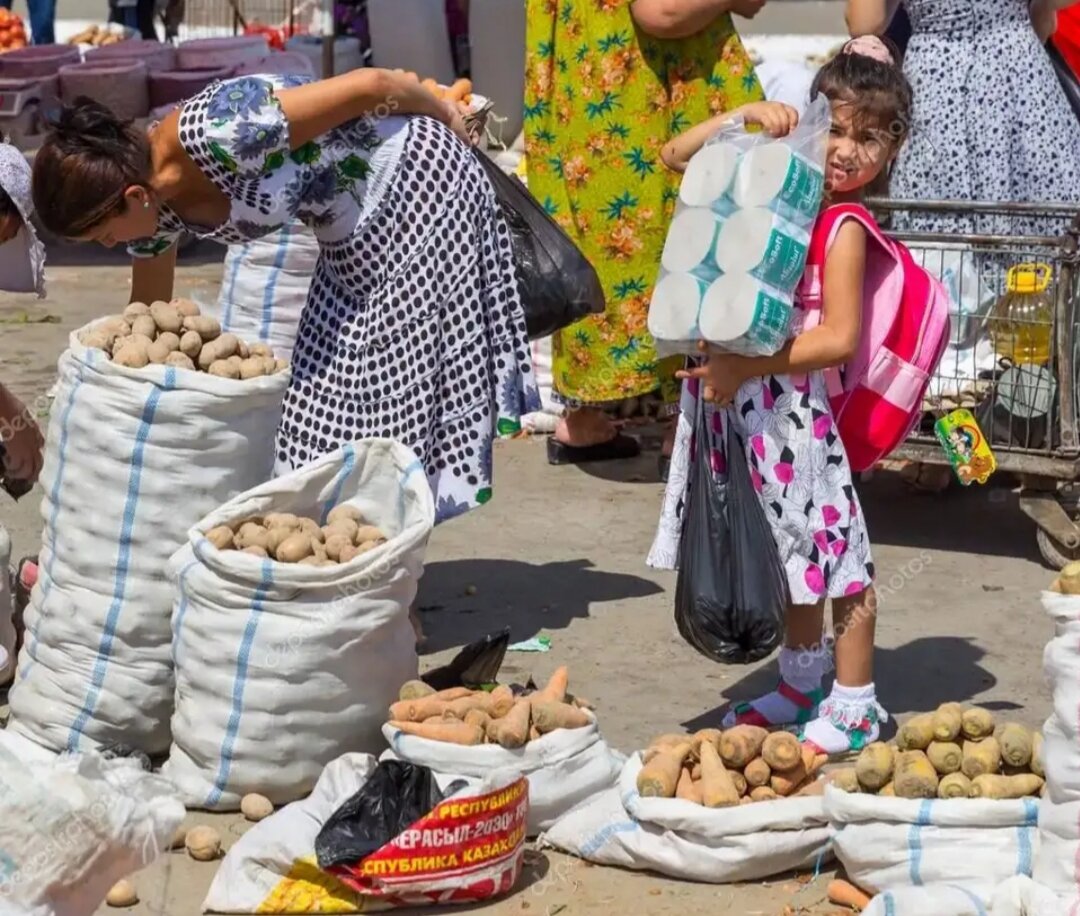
(622, 446)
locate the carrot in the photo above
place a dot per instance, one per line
(781, 751)
(477, 717)
(534, 733)
(460, 708)
(414, 690)
(659, 778)
(500, 701)
(417, 710)
(741, 786)
(763, 793)
(816, 787)
(686, 789)
(757, 773)
(712, 735)
(513, 729)
(459, 90)
(874, 766)
(788, 781)
(550, 716)
(669, 741)
(431, 86)
(718, 789)
(453, 693)
(447, 732)
(741, 744)
(555, 689)
(844, 893)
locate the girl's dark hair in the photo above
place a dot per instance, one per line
(88, 161)
(7, 205)
(878, 91)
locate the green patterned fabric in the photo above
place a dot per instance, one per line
(601, 100)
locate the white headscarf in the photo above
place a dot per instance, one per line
(22, 260)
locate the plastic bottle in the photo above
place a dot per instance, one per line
(1022, 321)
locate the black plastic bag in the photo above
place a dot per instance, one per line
(1070, 84)
(475, 666)
(732, 593)
(396, 796)
(558, 284)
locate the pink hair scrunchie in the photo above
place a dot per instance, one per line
(870, 46)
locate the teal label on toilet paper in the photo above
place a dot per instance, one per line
(783, 263)
(772, 321)
(803, 188)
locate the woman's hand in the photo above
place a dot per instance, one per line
(455, 120)
(748, 9)
(1044, 18)
(21, 438)
(723, 375)
(775, 118)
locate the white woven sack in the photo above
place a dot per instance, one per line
(133, 458)
(75, 825)
(282, 668)
(264, 287)
(563, 768)
(684, 840)
(890, 843)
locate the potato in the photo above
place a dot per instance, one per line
(203, 844)
(131, 340)
(252, 535)
(280, 365)
(344, 511)
(236, 361)
(915, 776)
(223, 369)
(166, 317)
(335, 544)
(946, 756)
(131, 356)
(178, 837)
(977, 723)
(261, 349)
(252, 367)
(179, 361)
(221, 537)
(277, 536)
(256, 551)
(207, 327)
(171, 340)
(191, 344)
(282, 520)
(116, 325)
(874, 766)
(220, 348)
(256, 807)
(144, 325)
(136, 309)
(366, 533)
(954, 785)
(242, 350)
(158, 352)
(981, 758)
(345, 527)
(185, 307)
(294, 548)
(310, 526)
(310, 561)
(1069, 580)
(916, 734)
(122, 894)
(1016, 744)
(96, 340)
(348, 553)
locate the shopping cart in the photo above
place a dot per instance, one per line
(1027, 407)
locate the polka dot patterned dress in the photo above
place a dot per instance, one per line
(414, 328)
(991, 122)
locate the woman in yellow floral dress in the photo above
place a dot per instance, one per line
(608, 83)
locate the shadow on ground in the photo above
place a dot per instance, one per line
(463, 600)
(915, 677)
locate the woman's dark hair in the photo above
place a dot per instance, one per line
(88, 161)
(7, 205)
(878, 91)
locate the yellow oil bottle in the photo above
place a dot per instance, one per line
(1022, 320)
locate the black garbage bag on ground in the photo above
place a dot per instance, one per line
(475, 666)
(396, 796)
(558, 284)
(732, 593)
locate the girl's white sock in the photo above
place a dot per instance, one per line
(848, 720)
(801, 670)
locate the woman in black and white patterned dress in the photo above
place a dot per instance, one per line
(991, 122)
(414, 328)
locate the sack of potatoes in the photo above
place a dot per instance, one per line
(176, 334)
(288, 538)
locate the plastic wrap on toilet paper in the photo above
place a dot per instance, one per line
(737, 245)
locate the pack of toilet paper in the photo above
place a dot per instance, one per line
(737, 245)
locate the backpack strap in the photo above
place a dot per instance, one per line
(825, 231)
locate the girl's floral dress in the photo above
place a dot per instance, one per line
(601, 100)
(414, 328)
(799, 470)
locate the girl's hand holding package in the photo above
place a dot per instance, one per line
(775, 118)
(723, 374)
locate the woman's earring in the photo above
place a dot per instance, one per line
(146, 205)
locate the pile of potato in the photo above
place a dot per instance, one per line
(738, 766)
(1068, 580)
(98, 36)
(951, 753)
(472, 717)
(175, 334)
(290, 538)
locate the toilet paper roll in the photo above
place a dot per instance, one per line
(691, 243)
(738, 309)
(776, 176)
(709, 175)
(761, 243)
(673, 312)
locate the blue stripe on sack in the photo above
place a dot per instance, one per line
(1031, 812)
(181, 611)
(271, 285)
(915, 842)
(1024, 837)
(409, 471)
(591, 846)
(101, 664)
(54, 516)
(890, 904)
(243, 658)
(348, 462)
(975, 901)
(238, 261)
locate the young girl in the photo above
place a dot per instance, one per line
(781, 414)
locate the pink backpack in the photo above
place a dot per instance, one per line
(877, 398)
